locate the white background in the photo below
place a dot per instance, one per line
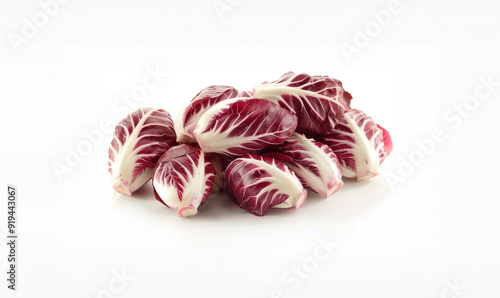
(417, 235)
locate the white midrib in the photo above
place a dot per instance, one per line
(365, 158)
(167, 193)
(128, 146)
(186, 129)
(195, 188)
(202, 123)
(317, 183)
(179, 123)
(316, 153)
(275, 90)
(216, 141)
(283, 181)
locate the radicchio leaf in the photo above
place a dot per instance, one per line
(138, 142)
(186, 122)
(183, 179)
(239, 126)
(258, 183)
(314, 163)
(318, 101)
(360, 144)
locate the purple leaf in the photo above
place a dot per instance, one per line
(259, 183)
(360, 144)
(243, 125)
(183, 179)
(314, 163)
(138, 142)
(187, 121)
(318, 101)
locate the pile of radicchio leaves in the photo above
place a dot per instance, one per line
(265, 148)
